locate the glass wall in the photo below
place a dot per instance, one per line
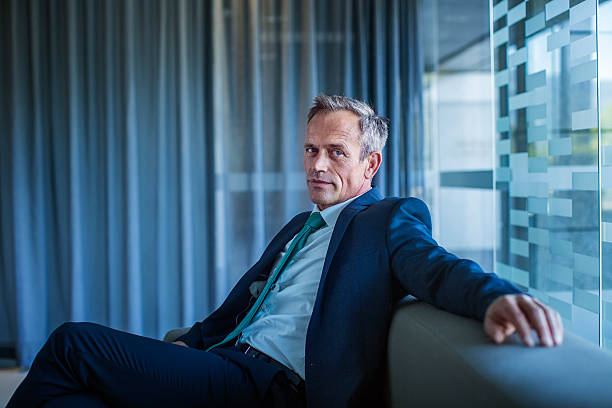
(545, 74)
(604, 41)
(458, 120)
(518, 124)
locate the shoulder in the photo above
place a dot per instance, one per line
(301, 217)
(405, 209)
(296, 222)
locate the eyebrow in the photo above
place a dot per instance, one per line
(332, 146)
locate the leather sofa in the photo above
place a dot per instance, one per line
(438, 359)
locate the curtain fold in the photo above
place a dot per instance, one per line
(150, 149)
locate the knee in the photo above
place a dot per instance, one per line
(67, 328)
(71, 330)
(69, 336)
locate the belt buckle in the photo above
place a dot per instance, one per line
(240, 345)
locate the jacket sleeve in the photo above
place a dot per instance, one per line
(193, 338)
(222, 321)
(218, 324)
(430, 273)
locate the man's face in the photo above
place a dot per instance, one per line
(334, 172)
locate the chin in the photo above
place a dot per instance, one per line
(320, 199)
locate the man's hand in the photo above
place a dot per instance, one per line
(511, 313)
(180, 343)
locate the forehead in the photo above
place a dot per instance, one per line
(325, 127)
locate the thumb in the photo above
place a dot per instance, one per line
(497, 331)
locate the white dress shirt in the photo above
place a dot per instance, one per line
(279, 328)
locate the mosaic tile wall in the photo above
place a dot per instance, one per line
(547, 151)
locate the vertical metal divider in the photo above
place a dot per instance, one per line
(493, 134)
(599, 164)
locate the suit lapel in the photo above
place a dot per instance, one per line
(240, 294)
(292, 228)
(344, 220)
(281, 239)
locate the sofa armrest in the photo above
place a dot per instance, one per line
(440, 359)
(174, 334)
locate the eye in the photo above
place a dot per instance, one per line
(337, 152)
(311, 150)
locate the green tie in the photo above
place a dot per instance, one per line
(315, 221)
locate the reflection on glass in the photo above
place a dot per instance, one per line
(605, 123)
(545, 83)
(458, 121)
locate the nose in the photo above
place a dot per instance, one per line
(320, 161)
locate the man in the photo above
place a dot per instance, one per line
(308, 322)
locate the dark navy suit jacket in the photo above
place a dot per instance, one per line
(380, 250)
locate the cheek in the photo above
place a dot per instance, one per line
(347, 172)
(356, 175)
(308, 163)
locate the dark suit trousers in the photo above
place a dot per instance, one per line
(85, 364)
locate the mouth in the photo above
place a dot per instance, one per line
(318, 183)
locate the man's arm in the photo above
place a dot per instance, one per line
(193, 338)
(430, 273)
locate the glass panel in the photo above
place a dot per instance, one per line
(458, 122)
(604, 27)
(545, 84)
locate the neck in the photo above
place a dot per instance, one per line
(365, 187)
(362, 190)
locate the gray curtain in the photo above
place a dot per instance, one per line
(150, 149)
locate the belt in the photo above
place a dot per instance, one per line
(249, 350)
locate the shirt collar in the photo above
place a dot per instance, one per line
(330, 214)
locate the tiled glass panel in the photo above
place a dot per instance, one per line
(547, 179)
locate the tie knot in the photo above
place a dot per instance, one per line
(315, 221)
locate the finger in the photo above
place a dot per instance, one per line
(518, 318)
(551, 321)
(558, 327)
(554, 321)
(497, 334)
(496, 324)
(498, 331)
(562, 330)
(537, 318)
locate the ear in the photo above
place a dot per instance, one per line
(373, 163)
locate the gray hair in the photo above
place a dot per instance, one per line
(374, 128)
